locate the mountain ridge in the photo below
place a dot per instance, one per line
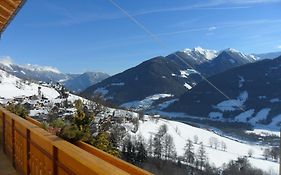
(174, 74)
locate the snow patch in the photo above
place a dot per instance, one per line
(187, 72)
(233, 104)
(275, 100)
(102, 91)
(261, 115)
(187, 86)
(166, 104)
(145, 103)
(244, 116)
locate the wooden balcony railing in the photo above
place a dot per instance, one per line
(33, 150)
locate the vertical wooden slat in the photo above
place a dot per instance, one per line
(3, 133)
(13, 143)
(55, 160)
(28, 151)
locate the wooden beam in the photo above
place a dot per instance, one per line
(5, 13)
(3, 19)
(13, 3)
(3, 9)
(7, 6)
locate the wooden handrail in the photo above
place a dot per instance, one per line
(35, 151)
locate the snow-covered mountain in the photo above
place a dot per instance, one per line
(199, 51)
(32, 72)
(253, 91)
(174, 74)
(201, 54)
(74, 82)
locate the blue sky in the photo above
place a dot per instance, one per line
(93, 35)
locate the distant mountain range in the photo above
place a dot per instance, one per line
(270, 55)
(80, 82)
(73, 82)
(169, 76)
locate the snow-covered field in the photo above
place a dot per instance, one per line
(181, 132)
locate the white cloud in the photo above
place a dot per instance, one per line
(212, 28)
(279, 47)
(6, 60)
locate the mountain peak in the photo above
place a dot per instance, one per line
(208, 54)
(232, 51)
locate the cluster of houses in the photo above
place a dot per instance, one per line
(40, 107)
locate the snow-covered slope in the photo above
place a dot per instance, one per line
(11, 86)
(181, 132)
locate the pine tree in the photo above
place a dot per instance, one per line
(189, 152)
(201, 156)
(157, 147)
(266, 153)
(102, 142)
(169, 147)
(150, 146)
(129, 151)
(223, 146)
(141, 153)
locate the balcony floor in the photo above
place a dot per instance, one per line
(6, 167)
